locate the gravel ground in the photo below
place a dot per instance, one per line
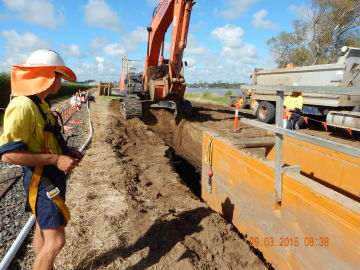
(12, 205)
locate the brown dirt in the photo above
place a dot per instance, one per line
(130, 209)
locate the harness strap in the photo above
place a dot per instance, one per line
(52, 192)
(34, 186)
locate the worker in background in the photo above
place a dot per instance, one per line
(32, 139)
(89, 96)
(73, 101)
(293, 108)
(78, 101)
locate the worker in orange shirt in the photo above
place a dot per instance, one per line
(294, 105)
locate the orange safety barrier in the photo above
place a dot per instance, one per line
(68, 113)
(315, 227)
(326, 166)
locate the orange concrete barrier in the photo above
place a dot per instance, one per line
(315, 227)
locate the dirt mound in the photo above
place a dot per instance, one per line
(134, 212)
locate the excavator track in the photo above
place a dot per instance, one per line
(131, 107)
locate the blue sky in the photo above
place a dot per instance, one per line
(227, 38)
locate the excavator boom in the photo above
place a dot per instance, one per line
(163, 79)
(162, 84)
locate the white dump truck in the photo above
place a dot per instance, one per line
(342, 110)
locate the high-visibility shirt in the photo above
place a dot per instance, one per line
(24, 123)
(292, 103)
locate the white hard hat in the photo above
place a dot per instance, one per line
(45, 57)
(49, 58)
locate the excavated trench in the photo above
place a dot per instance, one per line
(185, 140)
(187, 172)
(158, 182)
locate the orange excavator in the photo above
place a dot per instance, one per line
(162, 84)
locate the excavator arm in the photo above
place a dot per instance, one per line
(163, 79)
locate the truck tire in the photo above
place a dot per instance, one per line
(265, 112)
(243, 101)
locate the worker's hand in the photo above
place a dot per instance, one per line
(73, 152)
(66, 163)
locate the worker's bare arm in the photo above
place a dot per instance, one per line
(27, 158)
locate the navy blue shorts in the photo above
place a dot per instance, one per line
(48, 214)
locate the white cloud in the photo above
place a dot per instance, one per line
(40, 12)
(234, 50)
(239, 56)
(100, 63)
(229, 34)
(18, 47)
(237, 7)
(99, 59)
(98, 42)
(72, 50)
(259, 22)
(303, 11)
(195, 48)
(268, 62)
(233, 63)
(99, 68)
(115, 49)
(27, 42)
(130, 43)
(99, 14)
(133, 39)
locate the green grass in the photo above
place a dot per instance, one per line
(208, 96)
(4, 89)
(2, 112)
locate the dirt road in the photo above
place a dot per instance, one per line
(130, 209)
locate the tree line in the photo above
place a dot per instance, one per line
(325, 27)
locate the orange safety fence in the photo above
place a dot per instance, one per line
(66, 112)
(287, 115)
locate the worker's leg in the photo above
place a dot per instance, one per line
(292, 121)
(54, 240)
(38, 239)
(289, 124)
(295, 119)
